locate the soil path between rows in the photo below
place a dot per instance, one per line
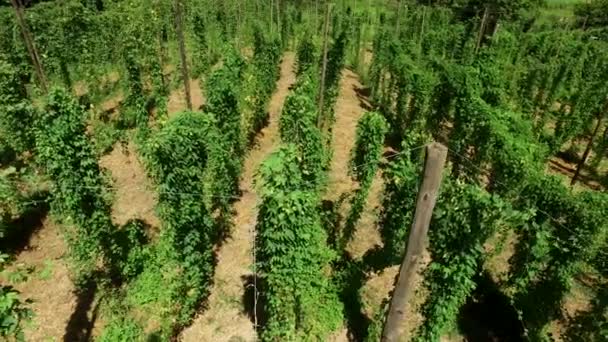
(48, 284)
(59, 313)
(350, 107)
(224, 318)
(134, 196)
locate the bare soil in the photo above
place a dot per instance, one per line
(177, 98)
(48, 284)
(134, 197)
(348, 112)
(225, 319)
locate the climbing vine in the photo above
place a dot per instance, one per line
(265, 67)
(364, 163)
(66, 154)
(293, 257)
(177, 157)
(298, 125)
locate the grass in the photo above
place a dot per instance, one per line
(558, 10)
(562, 3)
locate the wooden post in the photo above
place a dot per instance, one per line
(324, 67)
(427, 196)
(271, 13)
(316, 16)
(31, 47)
(583, 160)
(482, 29)
(182, 51)
(398, 17)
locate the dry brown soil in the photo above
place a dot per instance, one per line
(177, 99)
(134, 197)
(48, 285)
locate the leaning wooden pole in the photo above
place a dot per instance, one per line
(182, 51)
(31, 47)
(482, 29)
(320, 118)
(436, 155)
(583, 160)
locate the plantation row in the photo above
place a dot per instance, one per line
(195, 160)
(507, 100)
(495, 107)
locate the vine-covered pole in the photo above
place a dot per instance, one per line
(583, 160)
(482, 29)
(31, 47)
(182, 51)
(324, 67)
(398, 18)
(436, 155)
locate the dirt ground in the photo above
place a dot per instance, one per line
(47, 283)
(224, 319)
(348, 111)
(59, 314)
(134, 196)
(177, 99)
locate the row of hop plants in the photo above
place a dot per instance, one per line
(297, 282)
(266, 70)
(208, 148)
(14, 201)
(195, 159)
(497, 179)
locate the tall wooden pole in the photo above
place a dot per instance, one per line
(398, 18)
(31, 47)
(271, 13)
(182, 51)
(324, 67)
(278, 18)
(583, 160)
(316, 16)
(436, 155)
(482, 29)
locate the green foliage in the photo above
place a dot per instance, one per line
(18, 114)
(223, 93)
(298, 125)
(552, 251)
(335, 62)
(293, 257)
(401, 185)
(266, 57)
(132, 241)
(105, 135)
(465, 217)
(66, 154)
(305, 55)
(122, 330)
(177, 157)
(14, 312)
(201, 62)
(593, 13)
(364, 162)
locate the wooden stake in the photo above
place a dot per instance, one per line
(427, 197)
(279, 20)
(398, 17)
(482, 29)
(324, 67)
(271, 13)
(31, 47)
(316, 16)
(583, 160)
(182, 51)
